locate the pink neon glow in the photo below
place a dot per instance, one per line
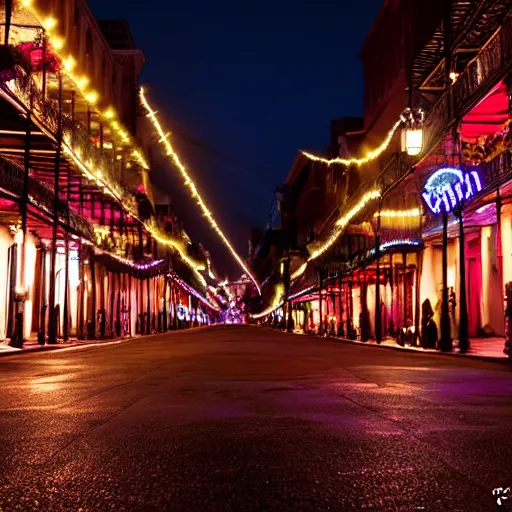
(193, 292)
(488, 117)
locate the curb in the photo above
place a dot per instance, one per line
(59, 347)
(504, 360)
(488, 359)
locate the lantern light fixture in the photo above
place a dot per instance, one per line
(412, 131)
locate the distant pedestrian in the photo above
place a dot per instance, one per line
(428, 326)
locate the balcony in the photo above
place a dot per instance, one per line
(90, 161)
(41, 197)
(490, 66)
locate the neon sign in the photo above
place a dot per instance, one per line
(183, 313)
(393, 243)
(448, 188)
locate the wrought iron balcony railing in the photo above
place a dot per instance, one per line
(41, 196)
(77, 144)
(490, 66)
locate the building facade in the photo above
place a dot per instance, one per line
(86, 252)
(407, 222)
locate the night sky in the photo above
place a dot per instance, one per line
(243, 86)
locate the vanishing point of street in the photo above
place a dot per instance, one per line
(244, 418)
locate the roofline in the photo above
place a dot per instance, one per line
(299, 161)
(124, 22)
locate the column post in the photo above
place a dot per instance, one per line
(445, 342)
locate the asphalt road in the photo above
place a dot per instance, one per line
(244, 419)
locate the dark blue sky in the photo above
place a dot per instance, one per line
(256, 81)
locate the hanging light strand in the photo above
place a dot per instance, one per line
(277, 302)
(179, 246)
(372, 155)
(190, 184)
(82, 82)
(341, 224)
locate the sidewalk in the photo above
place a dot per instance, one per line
(487, 349)
(31, 345)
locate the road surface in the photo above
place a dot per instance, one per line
(244, 418)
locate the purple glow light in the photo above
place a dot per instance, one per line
(193, 292)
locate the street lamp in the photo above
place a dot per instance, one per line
(412, 131)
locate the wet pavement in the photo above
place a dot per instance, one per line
(243, 418)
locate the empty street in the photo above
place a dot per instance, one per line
(244, 418)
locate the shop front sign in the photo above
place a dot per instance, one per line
(449, 188)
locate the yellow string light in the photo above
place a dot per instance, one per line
(277, 302)
(413, 212)
(190, 184)
(341, 224)
(367, 197)
(372, 155)
(92, 97)
(168, 241)
(50, 24)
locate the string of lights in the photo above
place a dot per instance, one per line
(277, 302)
(191, 185)
(301, 293)
(164, 239)
(413, 212)
(82, 82)
(193, 292)
(110, 118)
(124, 261)
(341, 224)
(372, 155)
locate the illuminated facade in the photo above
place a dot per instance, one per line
(86, 252)
(407, 223)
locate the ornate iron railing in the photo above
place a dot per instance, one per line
(498, 170)
(483, 73)
(42, 196)
(480, 76)
(75, 137)
(11, 177)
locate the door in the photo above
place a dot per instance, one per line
(474, 294)
(11, 289)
